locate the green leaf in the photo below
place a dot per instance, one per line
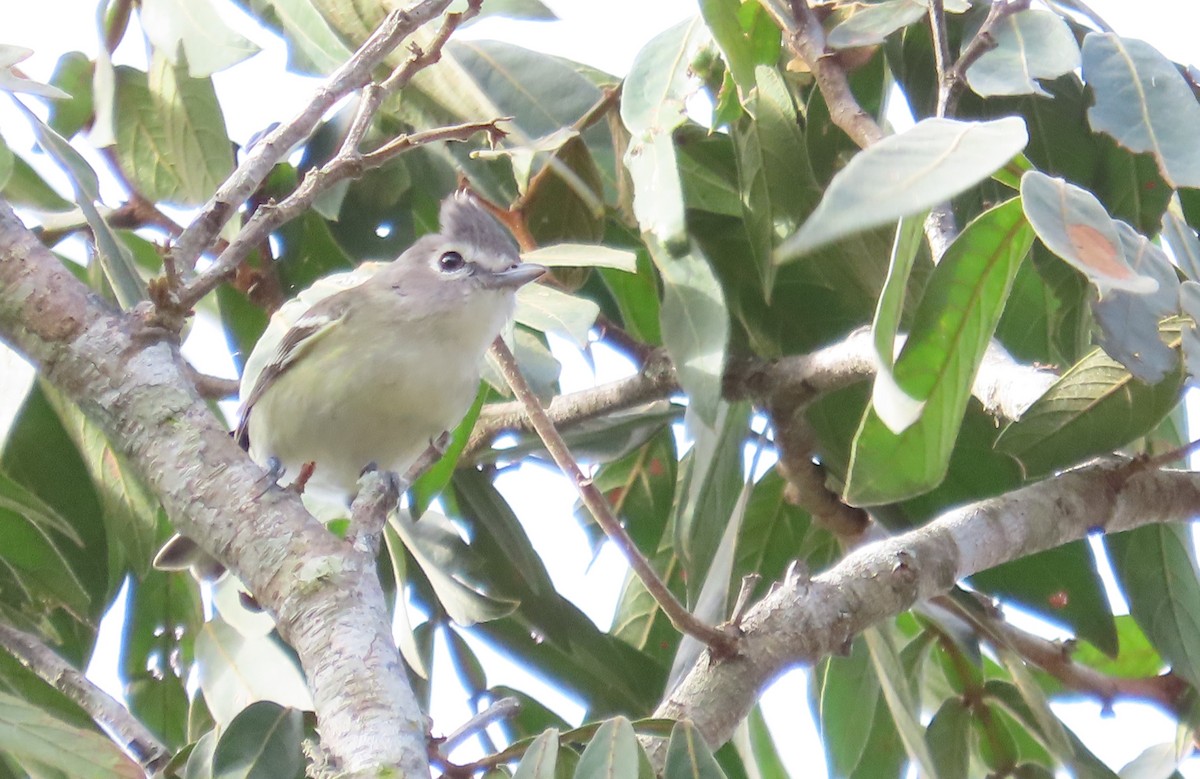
(708, 490)
(953, 325)
(314, 46)
(613, 752)
(73, 75)
(898, 693)
(25, 187)
(948, 737)
(171, 139)
(1144, 104)
(541, 758)
(1030, 45)
(872, 24)
(652, 106)
(545, 309)
(1129, 322)
(565, 199)
(1073, 224)
(45, 744)
(1184, 245)
(191, 33)
(1061, 585)
(1156, 565)
(579, 255)
(905, 174)
(688, 755)
(695, 325)
(447, 562)
(130, 509)
(776, 182)
(1096, 407)
(115, 258)
(262, 742)
(237, 670)
(895, 407)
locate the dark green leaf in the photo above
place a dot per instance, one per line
(612, 753)
(262, 742)
(688, 756)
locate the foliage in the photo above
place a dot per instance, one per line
(750, 232)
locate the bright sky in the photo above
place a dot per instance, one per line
(605, 35)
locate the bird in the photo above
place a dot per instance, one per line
(368, 368)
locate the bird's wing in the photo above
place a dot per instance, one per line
(313, 325)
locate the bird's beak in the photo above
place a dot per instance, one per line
(513, 276)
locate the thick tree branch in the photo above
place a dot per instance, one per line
(803, 620)
(125, 729)
(324, 594)
(253, 170)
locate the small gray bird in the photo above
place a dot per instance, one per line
(369, 367)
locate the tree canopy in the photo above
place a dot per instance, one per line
(963, 343)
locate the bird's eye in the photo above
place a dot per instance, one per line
(450, 262)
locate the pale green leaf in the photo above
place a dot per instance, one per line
(1030, 45)
(905, 174)
(40, 741)
(237, 670)
(1073, 224)
(872, 24)
(581, 255)
(1144, 104)
(192, 32)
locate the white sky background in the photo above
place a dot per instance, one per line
(606, 35)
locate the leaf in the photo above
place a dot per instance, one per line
(1156, 566)
(546, 309)
(951, 330)
(262, 742)
(315, 47)
(898, 693)
(613, 752)
(446, 560)
(564, 199)
(708, 490)
(580, 255)
(872, 24)
(236, 670)
(688, 755)
(652, 106)
(72, 74)
(1096, 407)
(905, 174)
(1030, 45)
(695, 325)
(895, 407)
(1184, 245)
(1073, 224)
(541, 757)
(1129, 322)
(171, 138)
(25, 187)
(1144, 104)
(115, 258)
(45, 744)
(948, 737)
(1189, 300)
(11, 82)
(192, 33)
(776, 184)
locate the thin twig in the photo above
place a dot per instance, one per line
(941, 51)
(501, 709)
(1054, 657)
(719, 642)
(257, 164)
(126, 731)
(954, 80)
(270, 216)
(212, 387)
(655, 381)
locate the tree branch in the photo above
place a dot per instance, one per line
(325, 596)
(682, 619)
(800, 620)
(125, 729)
(354, 74)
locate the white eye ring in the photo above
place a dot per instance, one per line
(450, 262)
